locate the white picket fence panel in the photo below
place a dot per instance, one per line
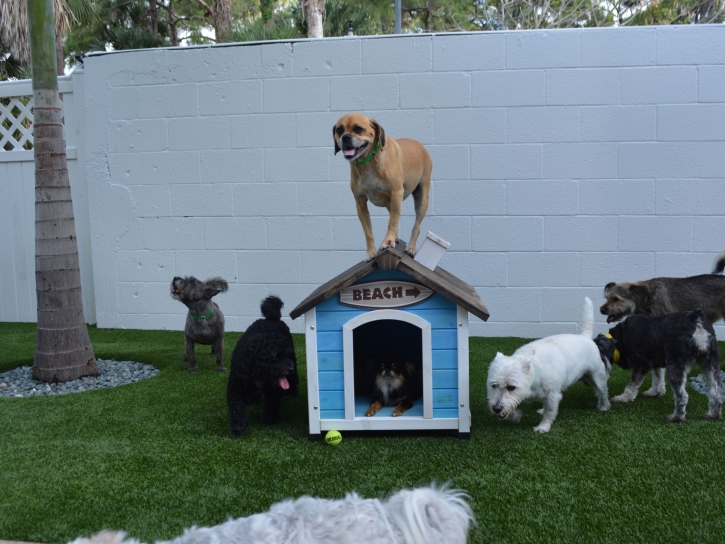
(18, 300)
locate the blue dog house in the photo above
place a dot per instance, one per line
(392, 304)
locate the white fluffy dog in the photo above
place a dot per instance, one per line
(427, 515)
(543, 369)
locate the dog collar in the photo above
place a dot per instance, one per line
(205, 316)
(369, 157)
(615, 357)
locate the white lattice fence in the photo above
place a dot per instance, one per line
(16, 123)
(17, 196)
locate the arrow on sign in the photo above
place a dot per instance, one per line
(414, 292)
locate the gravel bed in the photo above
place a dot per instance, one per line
(699, 384)
(19, 382)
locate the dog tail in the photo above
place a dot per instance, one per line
(588, 318)
(218, 283)
(430, 515)
(719, 264)
(272, 308)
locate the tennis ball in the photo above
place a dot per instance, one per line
(333, 438)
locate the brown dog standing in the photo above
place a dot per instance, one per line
(385, 172)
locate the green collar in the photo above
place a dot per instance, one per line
(369, 157)
(205, 316)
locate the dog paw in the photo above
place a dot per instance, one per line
(386, 244)
(621, 399)
(221, 368)
(713, 417)
(410, 252)
(653, 393)
(194, 368)
(540, 411)
(541, 430)
(603, 407)
(675, 419)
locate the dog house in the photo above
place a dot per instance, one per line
(391, 304)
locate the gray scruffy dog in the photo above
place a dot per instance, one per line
(205, 321)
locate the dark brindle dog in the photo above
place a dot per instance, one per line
(205, 321)
(674, 342)
(393, 381)
(662, 296)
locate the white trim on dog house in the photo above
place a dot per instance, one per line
(389, 304)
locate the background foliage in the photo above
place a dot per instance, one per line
(98, 25)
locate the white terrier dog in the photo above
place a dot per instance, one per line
(427, 515)
(543, 369)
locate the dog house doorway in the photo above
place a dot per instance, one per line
(387, 331)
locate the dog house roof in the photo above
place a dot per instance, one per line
(439, 280)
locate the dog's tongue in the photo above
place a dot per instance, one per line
(283, 383)
(349, 152)
(610, 318)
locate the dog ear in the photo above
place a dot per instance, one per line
(337, 147)
(608, 287)
(527, 358)
(641, 293)
(210, 292)
(379, 132)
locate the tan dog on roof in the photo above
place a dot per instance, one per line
(385, 172)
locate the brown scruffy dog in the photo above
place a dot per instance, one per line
(205, 321)
(385, 172)
(662, 296)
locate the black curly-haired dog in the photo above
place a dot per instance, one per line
(263, 363)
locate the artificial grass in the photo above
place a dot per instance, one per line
(155, 457)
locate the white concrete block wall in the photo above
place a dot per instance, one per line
(563, 160)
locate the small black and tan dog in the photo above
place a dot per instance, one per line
(392, 381)
(674, 342)
(263, 364)
(204, 321)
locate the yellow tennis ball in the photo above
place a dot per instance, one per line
(333, 438)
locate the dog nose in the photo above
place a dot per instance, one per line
(347, 139)
(497, 408)
(603, 309)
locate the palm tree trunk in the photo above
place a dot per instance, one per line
(313, 11)
(63, 350)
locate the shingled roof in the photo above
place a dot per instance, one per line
(439, 280)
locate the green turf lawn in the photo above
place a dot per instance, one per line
(157, 456)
